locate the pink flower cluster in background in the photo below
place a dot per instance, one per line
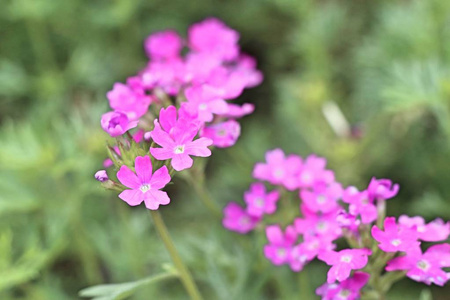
(329, 212)
(178, 106)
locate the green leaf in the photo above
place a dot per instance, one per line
(122, 290)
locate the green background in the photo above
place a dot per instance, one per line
(385, 64)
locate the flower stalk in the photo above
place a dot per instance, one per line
(185, 275)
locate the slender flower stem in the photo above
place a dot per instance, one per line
(205, 197)
(185, 275)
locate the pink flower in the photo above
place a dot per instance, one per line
(280, 244)
(426, 268)
(116, 123)
(348, 289)
(202, 102)
(163, 45)
(307, 251)
(259, 202)
(322, 198)
(434, 231)
(238, 220)
(123, 98)
(279, 170)
(313, 172)
(343, 262)
(223, 134)
(226, 84)
(177, 140)
(393, 238)
(214, 37)
(324, 226)
(144, 186)
(382, 189)
(246, 65)
(360, 204)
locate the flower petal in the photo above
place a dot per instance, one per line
(143, 167)
(199, 147)
(154, 198)
(181, 162)
(160, 178)
(128, 178)
(132, 197)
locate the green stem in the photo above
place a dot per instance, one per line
(185, 275)
(205, 197)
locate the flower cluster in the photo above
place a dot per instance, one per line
(330, 212)
(175, 108)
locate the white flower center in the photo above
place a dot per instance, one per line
(396, 242)
(278, 174)
(346, 258)
(344, 293)
(145, 187)
(202, 106)
(423, 265)
(321, 199)
(259, 202)
(281, 252)
(179, 149)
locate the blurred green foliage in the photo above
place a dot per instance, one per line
(384, 64)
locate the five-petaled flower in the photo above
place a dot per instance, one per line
(144, 186)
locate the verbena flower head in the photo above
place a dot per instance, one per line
(343, 262)
(313, 171)
(259, 201)
(144, 185)
(395, 238)
(238, 220)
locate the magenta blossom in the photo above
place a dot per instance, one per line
(322, 198)
(213, 37)
(144, 186)
(434, 231)
(313, 171)
(395, 238)
(343, 262)
(116, 123)
(223, 134)
(123, 98)
(279, 170)
(238, 220)
(163, 45)
(307, 251)
(427, 267)
(179, 144)
(280, 244)
(360, 204)
(238, 111)
(382, 189)
(201, 101)
(324, 226)
(260, 202)
(348, 289)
